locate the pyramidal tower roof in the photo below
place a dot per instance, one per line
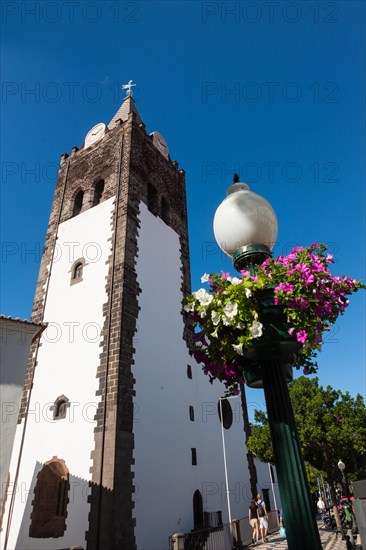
(127, 107)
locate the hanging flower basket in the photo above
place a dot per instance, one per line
(282, 310)
(275, 339)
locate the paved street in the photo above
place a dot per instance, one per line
(328, 539)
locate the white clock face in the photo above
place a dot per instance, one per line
(96, 133)
(160, 144)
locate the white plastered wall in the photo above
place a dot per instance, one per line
(67, 363)
(15, 342)
(165, 478)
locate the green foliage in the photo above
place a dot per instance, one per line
(331, 425)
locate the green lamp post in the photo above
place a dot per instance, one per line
(245, 228)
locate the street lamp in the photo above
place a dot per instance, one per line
(341, 465)
(245, 227)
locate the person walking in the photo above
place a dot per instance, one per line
(282, 525)
(253, 521)
(263, 518)
(321, 506)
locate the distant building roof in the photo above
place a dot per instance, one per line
(12, 325)
(17, 320)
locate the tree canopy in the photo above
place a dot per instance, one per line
(331, 425)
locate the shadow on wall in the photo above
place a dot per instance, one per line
(55, 507)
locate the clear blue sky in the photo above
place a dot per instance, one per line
(272, 90)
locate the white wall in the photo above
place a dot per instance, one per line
(165, 479)
(15, 342)
(66, 364)
(164, 476)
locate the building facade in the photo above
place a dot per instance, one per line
(16, 336)
(118, 443)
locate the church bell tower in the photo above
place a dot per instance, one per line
(118, 442)
(81, 378)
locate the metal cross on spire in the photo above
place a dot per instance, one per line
(128, 87)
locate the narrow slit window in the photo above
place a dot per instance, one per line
(78, 271)
(194, 456)
(191, 413)
(98, 192)
(152, 198)
(164, 210)
(189, 371)
(78, 203)
(60, 409)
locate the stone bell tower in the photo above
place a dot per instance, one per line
(88, 291)
(118, 441)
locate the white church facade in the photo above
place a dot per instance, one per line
(118, 443)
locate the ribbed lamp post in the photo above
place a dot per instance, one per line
(341, 465)
(245, 227)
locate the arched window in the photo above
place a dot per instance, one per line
(152, 199)
(227, 413)
(164, 209)
(78, 203)
(59, 407)
(77, 271)
(48, 517)
(98, 192)
(197, 510)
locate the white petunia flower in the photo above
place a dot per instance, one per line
(205, 277)
(248, 292)
(238, 348)
(203, 297)
(215, 317)
(231, 309)
(214, 334)
(256, 329)
(189, 307)
(235, 281)
(203, 313)
(226, 321)
(240, 326)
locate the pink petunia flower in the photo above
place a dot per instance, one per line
(301, 336)
(286, 287)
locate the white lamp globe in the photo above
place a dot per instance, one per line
(244, 218)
